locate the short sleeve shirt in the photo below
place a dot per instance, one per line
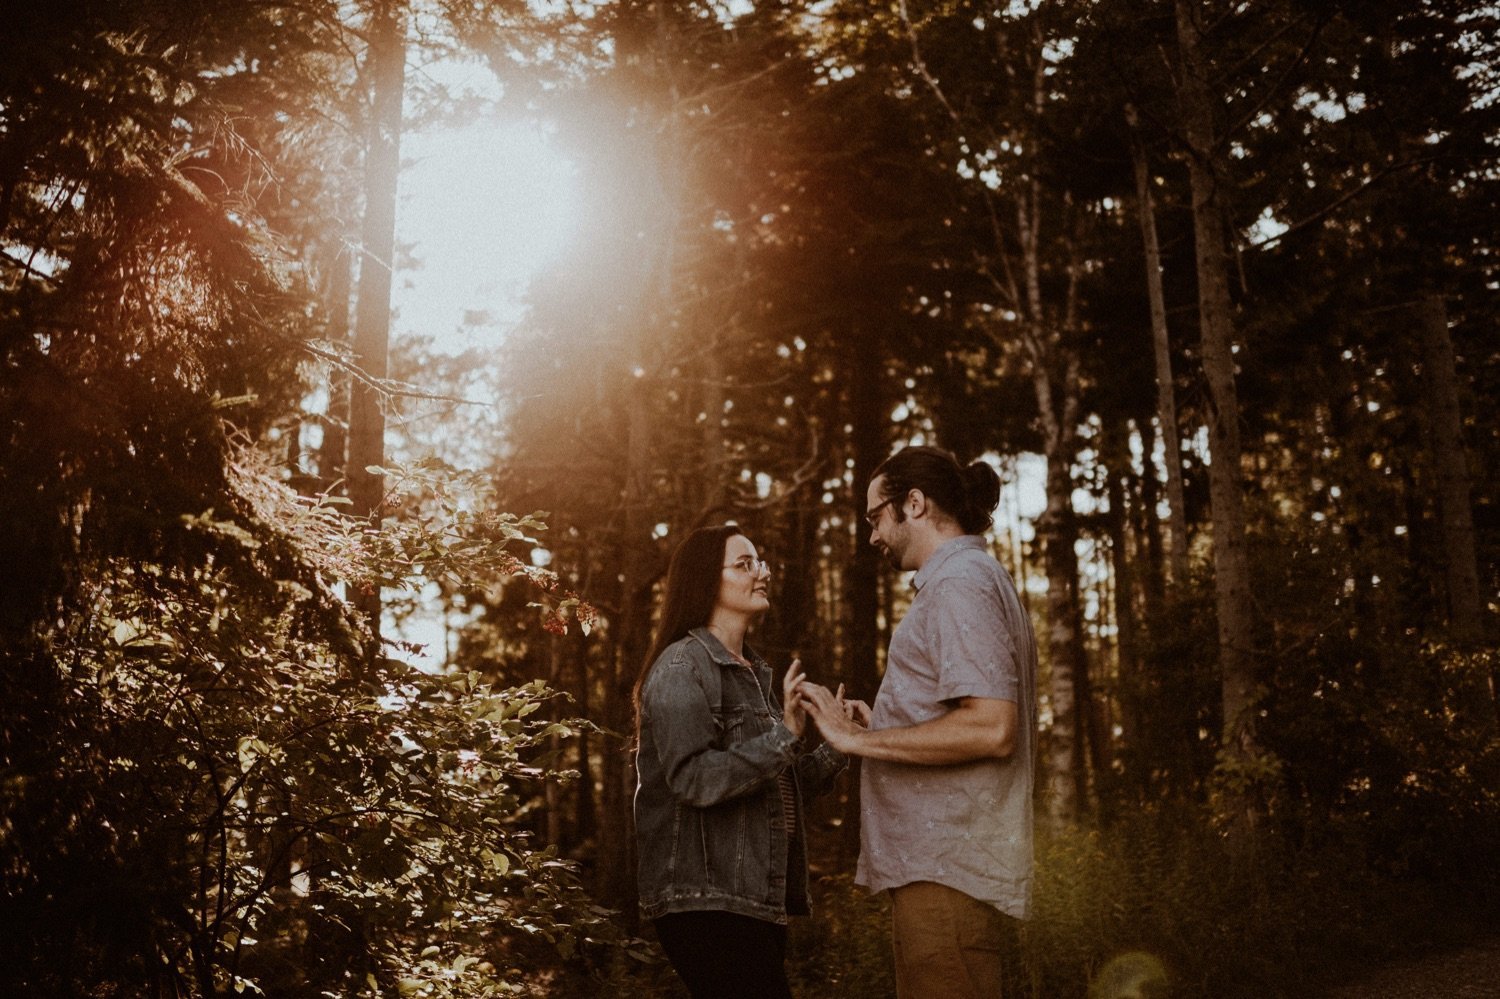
(966, 825)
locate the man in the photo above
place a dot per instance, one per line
(946, 792)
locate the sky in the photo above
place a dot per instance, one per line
(483, 207)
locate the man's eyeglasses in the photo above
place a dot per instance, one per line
(749, 563)
(872, 515)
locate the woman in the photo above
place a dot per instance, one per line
(718, 806)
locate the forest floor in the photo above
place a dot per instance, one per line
(1470, 970)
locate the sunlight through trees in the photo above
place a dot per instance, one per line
(331, 324)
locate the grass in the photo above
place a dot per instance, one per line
(1156, 906)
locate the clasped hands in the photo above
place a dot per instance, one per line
(838, 719)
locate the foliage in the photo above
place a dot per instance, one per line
(845, 948)
(213, 781)
(266, 808)
(1160, 893)
(1157, 902)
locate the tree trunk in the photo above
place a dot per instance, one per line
(710, 477)
(861, 652)
(552, 791)
(1148, 529)
(1049, 358)
(1461, 563)
(1455, 512)
(372, 317)
(796, 585)
(1063, 758)
(1231, 557)
(1166, 399)
(1057, 401)
(333, 450)
(1116, 461)
(616, 879)
(1063, 765)
(584, 815)
(386, 66)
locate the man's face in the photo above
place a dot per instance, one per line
(891, 536)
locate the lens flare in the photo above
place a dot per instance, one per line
(1133, 975)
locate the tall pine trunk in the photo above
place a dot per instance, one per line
(1166, 397)
(1455, 510)
(1147, 525)
(336, 948)
(638, 566)
(1115, 458)
(1054, 372)
(1461, 563)
(1063, 763)
(1055, 381)
(372, 315)
(333, 450)
(867, 415)
(1226, 496)
(709, 481)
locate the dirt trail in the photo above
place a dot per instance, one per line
(1471, 972)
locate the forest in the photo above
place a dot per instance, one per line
(1213, 285)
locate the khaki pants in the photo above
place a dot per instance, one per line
(947, 944)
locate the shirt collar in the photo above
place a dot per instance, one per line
(944, 552)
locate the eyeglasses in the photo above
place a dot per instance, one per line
(872, 515)
(750, 564)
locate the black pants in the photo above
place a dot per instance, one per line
(723, 955)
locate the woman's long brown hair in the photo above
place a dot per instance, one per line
(692, 589)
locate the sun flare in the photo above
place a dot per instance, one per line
(484, 207)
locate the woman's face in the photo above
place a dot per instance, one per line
(745, 580)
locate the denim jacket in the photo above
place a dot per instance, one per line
(709, 823)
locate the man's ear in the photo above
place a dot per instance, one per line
(916, 501)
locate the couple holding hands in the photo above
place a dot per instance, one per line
(724, 765)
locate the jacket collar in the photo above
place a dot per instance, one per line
(944, 552)
(721, 655)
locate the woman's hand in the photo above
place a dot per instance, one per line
(841, 723)
(793, 710)
(855, 710)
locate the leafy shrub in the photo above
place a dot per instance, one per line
(212, 786)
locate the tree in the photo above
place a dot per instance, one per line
(1216, 327)
(386, 69)
(993, 77)
(1166, 397)
(203, 755)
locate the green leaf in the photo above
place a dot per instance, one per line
(125, 631)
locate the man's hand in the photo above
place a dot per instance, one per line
(855, 710)
(839, 721)
(977, 728)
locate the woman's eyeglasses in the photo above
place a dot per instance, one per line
(750, 564)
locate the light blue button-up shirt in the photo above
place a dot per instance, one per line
(966, 825)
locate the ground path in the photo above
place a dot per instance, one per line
(1471, 971)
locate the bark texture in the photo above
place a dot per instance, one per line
(1215, 315)
(372, 315)
(1460, 558)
